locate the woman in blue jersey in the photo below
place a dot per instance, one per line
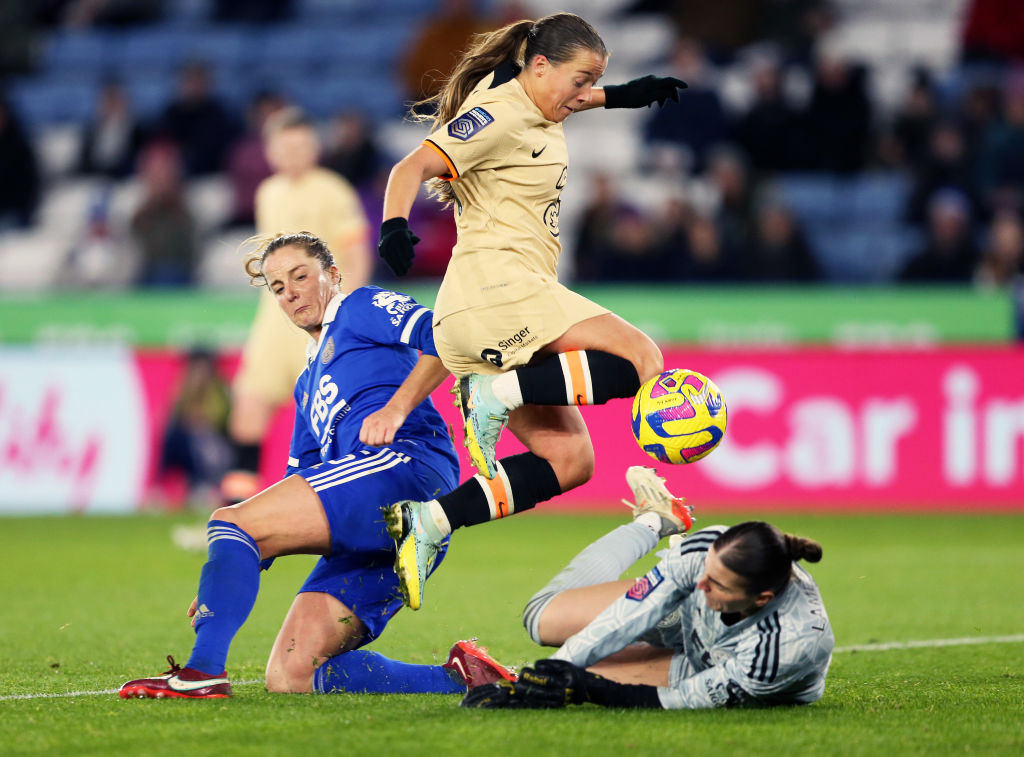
(726, 618)
(365, 434)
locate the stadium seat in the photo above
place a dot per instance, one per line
(82, 51)
(148, 50)
(41, 101)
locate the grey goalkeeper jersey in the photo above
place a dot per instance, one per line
(779, 655)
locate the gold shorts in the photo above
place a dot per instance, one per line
(274, 354)
(500, 337)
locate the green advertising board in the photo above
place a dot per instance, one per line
(710, 316)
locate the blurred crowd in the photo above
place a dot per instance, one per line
(955, 140)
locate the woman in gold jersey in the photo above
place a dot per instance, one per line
(526, 350)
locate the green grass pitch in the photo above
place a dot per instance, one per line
(90, 602)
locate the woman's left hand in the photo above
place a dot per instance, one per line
(379, 427)
(643, 92)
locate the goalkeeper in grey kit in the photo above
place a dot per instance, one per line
(726, 618)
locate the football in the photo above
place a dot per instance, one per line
(679, 416)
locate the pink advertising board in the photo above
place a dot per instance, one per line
(808, 428)
(824, 429)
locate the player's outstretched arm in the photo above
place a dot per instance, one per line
(379, 427)
(638, 93)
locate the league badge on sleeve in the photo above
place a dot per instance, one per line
(469, 123)
(645, 585)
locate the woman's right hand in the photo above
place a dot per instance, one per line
(396, 245)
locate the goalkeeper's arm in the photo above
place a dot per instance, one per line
(583, 686)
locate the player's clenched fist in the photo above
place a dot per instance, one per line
(396, 245)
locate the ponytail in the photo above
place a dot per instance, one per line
(800, 548)
(557, 37)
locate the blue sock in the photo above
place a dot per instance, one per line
(227, 591)
(364, 672)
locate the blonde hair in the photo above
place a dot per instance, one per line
(256, 248)
(557, 37)
(286, 118)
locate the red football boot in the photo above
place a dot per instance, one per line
(474, 666)
(183, 683)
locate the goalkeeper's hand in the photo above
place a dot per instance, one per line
(643, 92)
(550, 684)
(396, 245)
(520, 695)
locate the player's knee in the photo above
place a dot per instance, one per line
(573, 462)
(532, 614)
(228, 514)
(286, 676)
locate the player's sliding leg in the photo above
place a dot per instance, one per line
(420, 528)
(578, 377)
(590, 582)
(364, 672)
(228, 586)
(316, 648)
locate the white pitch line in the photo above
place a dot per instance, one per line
(885, 646)
(880, 647)
(65, 694)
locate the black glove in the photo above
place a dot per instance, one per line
(491, 696)
(560, 678)
(521, 695)
(396, 245)
(577, 686)
(643, 92)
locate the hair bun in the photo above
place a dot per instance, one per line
(800, 548)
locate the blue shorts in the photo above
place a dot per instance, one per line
(360, 570)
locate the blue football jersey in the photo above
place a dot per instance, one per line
(370, 341)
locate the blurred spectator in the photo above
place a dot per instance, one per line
(111, 142)
(730, 181)
(1003, 256)
(977, 110)
(162, 227)
(767, 132)
(778, 251)
(596, 226)
(698, 120)
(351, 150)
(198, 122)
(432, 54)
(794, 26)
(838, 118)
(949, 254)
(78, 14)
(17, 38)
(195, 441)
(99, 258)
(946, 164)
(251, 11)
(914, 121)
(993, 31)
(722, 27)
(19, 190)
(247, 163)
(1001, 158)
(707, 259)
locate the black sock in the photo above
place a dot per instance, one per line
(522, 481)
(580, 377)
(247, 457)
